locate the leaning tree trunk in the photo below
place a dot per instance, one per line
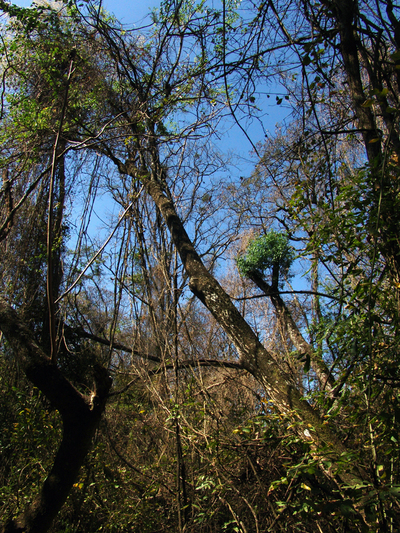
(254, 357)
(289, 327)
(80, 416)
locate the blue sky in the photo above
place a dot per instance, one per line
(127, 11)
(133, 13)
(231, 140)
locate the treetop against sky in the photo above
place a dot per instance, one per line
(126, 11)
(186, 376)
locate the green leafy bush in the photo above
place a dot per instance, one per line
(265, 252)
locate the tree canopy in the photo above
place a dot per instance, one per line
(186, 345)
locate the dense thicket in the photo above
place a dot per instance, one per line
(182, 350)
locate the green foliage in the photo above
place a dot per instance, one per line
(41, 67)
(33, 17)
(30, 431)
(265, 252)
(245, 467)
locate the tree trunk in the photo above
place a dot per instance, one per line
(290, 328)
(254, 357)
(80, 416)
(385, 225)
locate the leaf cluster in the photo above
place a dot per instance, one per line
(265, 252)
